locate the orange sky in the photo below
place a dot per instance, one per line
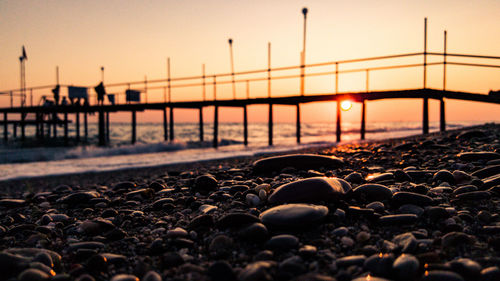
(133, 39)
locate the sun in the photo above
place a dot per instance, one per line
(346, 105)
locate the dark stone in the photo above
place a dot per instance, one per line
(453, 239)
(490, 182)
(283, 242)
(313, 277)
(464, 189)
(381, 177)
(403, 197)
(467, 268)
(379, 264)
(406, 241)
(221, 270)
(477, 156)
(310, 190)
(172, 259)
(33, 274)
(126, 185)
(354, 177)
(436, 213)
(151, 276)
(411, 209)
(11, 203)
(490, 274)
(398, 219)
(467, 135)
(221, 246)
(124, 277)
(443, 176)
(205, 184)
(441, 275)
(201, 221)
(372, 192)
(236, 220)
(255, 232)
(297, 161)
(406, 267)
(487, 172)
(474, 195)
(11, 264)
(257, 271)
(351, 260)
(293, 215)
(291, 267)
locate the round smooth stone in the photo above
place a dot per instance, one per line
(310, 190)
(398, 219)
(293, 215)
(403, 197)
(283, 242)
(441, 275)
(297, 161)
(406, 266)
(372, 192)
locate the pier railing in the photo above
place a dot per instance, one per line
(167, 92)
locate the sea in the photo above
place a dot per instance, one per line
(151, 150)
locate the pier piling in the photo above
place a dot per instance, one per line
(216, 126)
(5, 127)
(270, 124)
(245, 125)
(86, 125)
(107, 127)
(298, 122)
(171, 124)
(363, 120)
(134, 123)
(77, 126)
(200, 116)
(23, 126)
(165, 129)
(339, 129)
(102, 137)
(65, 127)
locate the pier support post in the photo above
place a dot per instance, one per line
(171, 123)
(5, 127)
(15, 130)
(165, 129)
(107, 127)
(425, 119)
(77, 126)
(298, 123)
(201, 123)
(65, 127)
(42, 123)
(339, 129)
(23, 126)
(86, 125)
(54, 120)
(102, 137)
(363, 120)
(134, 126)
(245, 125)
(442, 115)
(270, 125)
(216, 126)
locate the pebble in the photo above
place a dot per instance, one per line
(310, 190)
(255, 231)
(477, 156)
(11, 203)
(124, 277)
(379, 264)
(372, 192)
(405, 266)
(297, 161)
(78, 198)
(236, 220)
(474, 195)
(467, 268)
(443, 176)
(377, 206)
(441, 275)
(252, 199)
(411, 209)
(293, 215)
(381, 177)
(283, 242)
(403, 197)
(151, 276)
(398, 219)
(490, 274)
(257, 271)
(205, 184)
(33, 274)
(491, 181)
(221, 270)
(221, 246)
(351, 260)
(487, 172)
(453, 239)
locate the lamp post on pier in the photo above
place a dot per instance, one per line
(232, 66)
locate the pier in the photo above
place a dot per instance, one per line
(58, 114)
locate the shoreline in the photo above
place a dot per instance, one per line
(40, 183)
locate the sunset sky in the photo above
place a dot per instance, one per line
(132, 39)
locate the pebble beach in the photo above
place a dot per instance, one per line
(424, 207)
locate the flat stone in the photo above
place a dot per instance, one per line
(255, 231)
(403, 197)
(293, 215)
(441, 275)
(351, 260)
(78, 198)
(10, 203)
(372, 192)
(464, 189)
(85, 245)
(310, 190)
(443, 176)
(205, 208)
(491, 181)
(467, 268)
(236, 220)
(379, 264)
(476, 156)
(124, 277)
(151, 276)
(398, 219)
(490, 274)
(380, 177)
(474, 195)
(283, 242)
(33, 274)
(297, 161)
(487, 172)
(411, 209)
(11, 264)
